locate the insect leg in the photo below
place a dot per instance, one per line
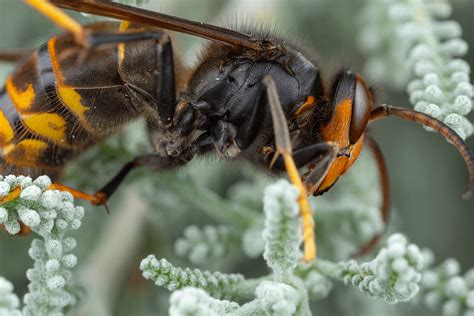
(81, 35)
(318, 174)
(166, 81)
(385, 190)
(229, 140)
(250, 128)
(15, 55)
(283, 148)
(15, 193)
(306, 155)
(94, 199)
(224, 136)
(60, 18)
(151, 161)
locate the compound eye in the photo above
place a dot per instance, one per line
(361, 108)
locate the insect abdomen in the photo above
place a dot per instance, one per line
(33, 136)
(58, 103)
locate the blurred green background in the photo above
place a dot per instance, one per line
(427, 174)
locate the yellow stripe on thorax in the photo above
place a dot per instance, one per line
(308, 104)
(124, 25)
(22, 100)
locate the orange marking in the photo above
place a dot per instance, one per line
(337, 168)
(11, 196)
(355, 152)
(124, 25)
(310, 101)
(25, 153)
(337, 130)
(54, 61)
(60, 18)
(341, 165)
(72, 100)
(97, 199)
(22, 100)
(49, 125)
(6, 130)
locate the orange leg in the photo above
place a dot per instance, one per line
(309, 238)
(96, 199)
(11, 196)
(283, 147)
(60, 18)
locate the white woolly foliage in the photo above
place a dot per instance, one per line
(277, 298)
(9, 302)
(271, 299)
(165, 274)
(50, 214)
(443, 287)
(196, 302)
(393, 276)
(282, 233)
(417, 31)
(349, 213)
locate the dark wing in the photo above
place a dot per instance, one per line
(132, 14)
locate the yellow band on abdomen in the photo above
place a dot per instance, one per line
(6, 130)
(22, 100)
(72, 100)
(49, 125)
(26, 153)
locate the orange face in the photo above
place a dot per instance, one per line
(352, 104)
